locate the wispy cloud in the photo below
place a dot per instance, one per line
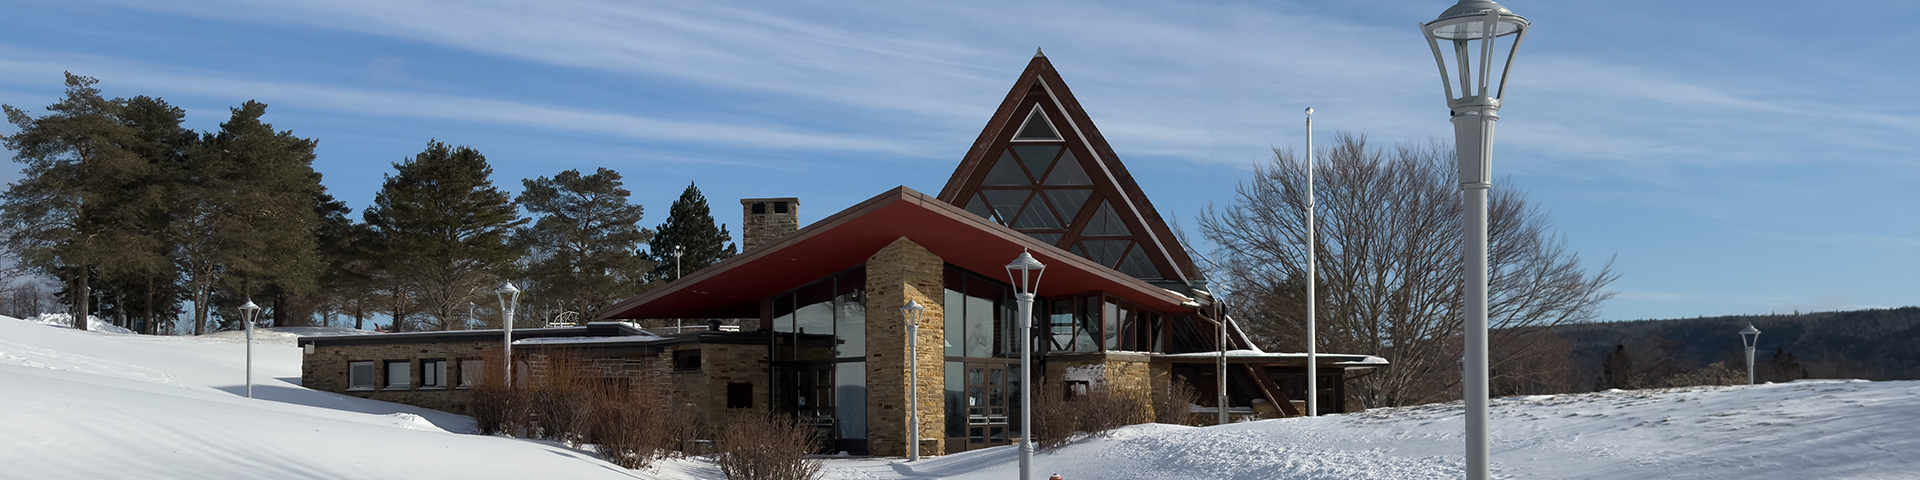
(428, 105)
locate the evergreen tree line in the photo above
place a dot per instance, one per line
(125, 214)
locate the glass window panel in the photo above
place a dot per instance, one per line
(956, 401)
(850, 391)
(1037, 158)
(813, 322)
(397, 374)
(1068, 171)
(995, 398)
(1060, 326)
(976, 397)
(1078, 250)
(1037, 216)
(471, 372)
(979, 207)
(783, 327)
(1089, 314)
(997, 377)
(433, 373)
(1105, 223)
(1050, 238)
(980, 327)
(1037, 127)
(360, 375)
(1127, 340)
(1006, 173)
(1105, 252)
(1068, 201)
(1110, 326)
(1138, 265)
(955, 311)
(1009, 327)
(1006, 203)
(850, 324)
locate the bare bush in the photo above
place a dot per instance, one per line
(1057, 420)
(1176, 407)
(562, 398)
(760, 448)
(495, 407)
(628, 429)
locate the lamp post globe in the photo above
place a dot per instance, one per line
(1465, 40)
(1024, 286)
(249, 313)
(509, 298)
(1750, 337)
(911, 313)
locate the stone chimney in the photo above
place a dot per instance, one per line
(764, 220)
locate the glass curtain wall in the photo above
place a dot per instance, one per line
(818, 350)
(982, 345)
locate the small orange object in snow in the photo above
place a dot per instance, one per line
(1055, 477)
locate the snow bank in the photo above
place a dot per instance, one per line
(77, 404)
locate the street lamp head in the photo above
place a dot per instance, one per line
(509, 296)
(250, 307)
(913, 307)
(1749, 335)
(1470, 30)
(249, 312)
(1027, 266)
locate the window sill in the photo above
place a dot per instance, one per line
(395, 389)
(432, 388)
(361, 389)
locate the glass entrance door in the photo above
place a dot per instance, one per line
(987, 405)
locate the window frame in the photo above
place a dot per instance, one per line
(472, 372)
(373, 376)
(406, 371)
(433, 370)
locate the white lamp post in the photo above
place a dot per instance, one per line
(1470, 29)
(1750, 336)
(1030, 272)
(912, 314)
(250, 312)
(1313, 348)
(509, 298)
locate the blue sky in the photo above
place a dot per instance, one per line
(1732, 157)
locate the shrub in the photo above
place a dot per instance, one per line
(628, 430)
(762, 448)
(496, 408)
(562, 398)
(1057, 419)
(1176, 407)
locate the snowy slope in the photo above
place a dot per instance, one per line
(102, 405)
(77, 404)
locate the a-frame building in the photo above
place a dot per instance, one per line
(1042, 168)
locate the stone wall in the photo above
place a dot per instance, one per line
(326, 369)
(904, 271)
(770, 223)
(720, 365)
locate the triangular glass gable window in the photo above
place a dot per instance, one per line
(1037, 157)
(979, 207)
(1068, 172)
(1138, 265)
(1005, 203)
(1006, 173)
(1037, 127)
(1105, 252)
(1068, 201)
(1036, 216)
(1050, 238)
(1104, 223)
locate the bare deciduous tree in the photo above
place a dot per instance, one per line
(1389, 266)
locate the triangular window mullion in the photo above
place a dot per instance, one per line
(1037, 128)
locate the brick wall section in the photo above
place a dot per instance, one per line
(326, 369)
(721, 364)
(757, 229)
(901, 272)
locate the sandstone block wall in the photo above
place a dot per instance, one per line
(904, 271)
(327, 367)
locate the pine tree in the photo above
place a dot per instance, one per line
(245, 219)
(586, 243)
(1619, 371)
(440, 232)
(70, 155)
(690, 227)
(142, 278)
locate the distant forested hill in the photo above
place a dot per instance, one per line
(1881, 344)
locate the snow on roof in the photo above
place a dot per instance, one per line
(580, 340)
(1343, 358)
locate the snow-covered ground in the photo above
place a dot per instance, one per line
(102, 405)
